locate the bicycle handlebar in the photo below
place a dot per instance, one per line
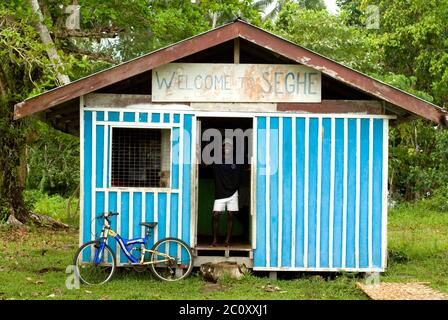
(106, 215)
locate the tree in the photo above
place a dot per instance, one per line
(413, 37)
(328, 35)
(38, 52)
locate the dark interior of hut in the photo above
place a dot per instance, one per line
(241, 221)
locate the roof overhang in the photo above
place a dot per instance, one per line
(410, 104)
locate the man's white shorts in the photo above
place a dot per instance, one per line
(230, 203)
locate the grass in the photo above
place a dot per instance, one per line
(33, 263)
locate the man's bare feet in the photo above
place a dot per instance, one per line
(214, 243)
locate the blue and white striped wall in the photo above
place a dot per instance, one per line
(170, 207)
(321, 193)
(320, 186)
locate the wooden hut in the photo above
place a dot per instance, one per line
(316, 184)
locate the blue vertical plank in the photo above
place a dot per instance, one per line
(377, 196)
(174, 208)
(351, 194)
(100, 116)
(137, 215)
(260, 251)
(155, 117)
(186, 177)
(273, 187)
(149, 215)
(312, 190)
(161, 215)
(166, 118)
(338, 193)
(174, 203)
(325, 193)
(99, 156)
(300, 191)
(129, 116)
(113, 207)
(99, 209)
(87, 209)
(175, 158)
(113, 116)
(124, 221)
(364, 195)
(143, 117)
(287, 193)
(176, 118)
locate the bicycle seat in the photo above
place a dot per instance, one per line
(148, 224)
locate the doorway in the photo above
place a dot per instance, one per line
(242, 228)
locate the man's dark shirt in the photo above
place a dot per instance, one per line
(227, 179)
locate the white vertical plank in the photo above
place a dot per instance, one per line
(181, 176)
(370, 225)
(117, 247)
(254, 185)
(168, 215)
(106, 209)
(194, 187)
(143, 213)
(105, 153)
(131, 214)
(332, 173)
(93, 164)
(385, 190)
(305, 200)
(358, 188)
(156, 215)
(268, 210)
(345, 191)
(294, 190)
(319, 190)
(81, 177)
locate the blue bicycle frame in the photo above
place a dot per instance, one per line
(125, 244)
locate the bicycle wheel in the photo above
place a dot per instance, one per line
(90, 272)
(171, 260)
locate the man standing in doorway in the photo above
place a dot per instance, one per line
(227, 182)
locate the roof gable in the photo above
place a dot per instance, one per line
(220, 35)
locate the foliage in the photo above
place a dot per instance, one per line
(52, 205)
(24, 67)
(413, 37)
(328, 35)
(276, 6)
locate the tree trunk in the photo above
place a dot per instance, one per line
(49, 44)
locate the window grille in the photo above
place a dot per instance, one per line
(140, 157)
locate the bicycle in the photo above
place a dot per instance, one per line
(170, 259)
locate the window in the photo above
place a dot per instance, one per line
(140, 158)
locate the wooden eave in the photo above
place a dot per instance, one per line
(357, 80)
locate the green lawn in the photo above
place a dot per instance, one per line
(32, 266)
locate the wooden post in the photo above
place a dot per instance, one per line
(236, 50)
(273, 275)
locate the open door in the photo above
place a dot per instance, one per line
(204, 190)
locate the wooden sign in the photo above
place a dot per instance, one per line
(205, 82)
